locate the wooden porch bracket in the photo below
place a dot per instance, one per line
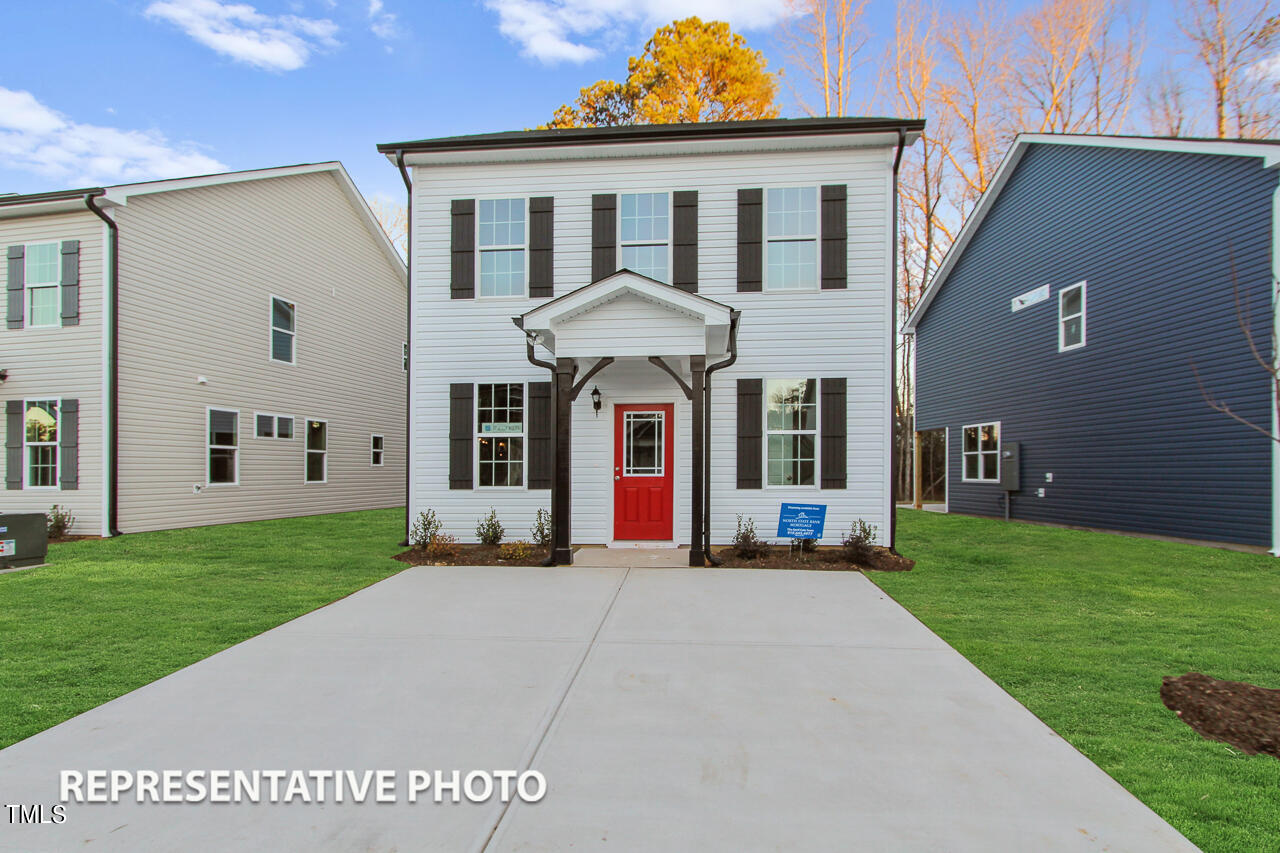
(657, 360)
(582, 383)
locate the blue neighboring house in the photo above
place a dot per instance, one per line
(1070, 330)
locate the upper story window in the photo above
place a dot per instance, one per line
(791, 424)
(282, 329)
(501, 240)
(645, 234)
(791, 238)
(500, 433)
(1071, 310)
(43, 275)
(41, 444)
(981, 450)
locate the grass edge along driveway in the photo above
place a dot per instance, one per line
(1081, 626)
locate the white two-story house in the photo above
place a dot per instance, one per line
(201, 350)
(652, 330)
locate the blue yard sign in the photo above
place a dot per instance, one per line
(802, 521)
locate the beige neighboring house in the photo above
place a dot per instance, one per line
(201, 350)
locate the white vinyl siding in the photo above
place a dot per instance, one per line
(980, 449)
(644, 232)
(791, 238)
(1071, 315)
(43, 277)
(40, 443)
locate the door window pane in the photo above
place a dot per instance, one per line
(643, 444)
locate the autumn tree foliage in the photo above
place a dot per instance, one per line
(689, 71)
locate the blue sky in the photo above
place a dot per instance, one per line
(109, 91)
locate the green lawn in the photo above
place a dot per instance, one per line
(107, 617)
(1080, 627)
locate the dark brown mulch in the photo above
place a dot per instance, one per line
(61, 539)
(823, 559)
(1235, 712)
(471, 555)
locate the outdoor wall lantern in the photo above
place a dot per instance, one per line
(595, 400)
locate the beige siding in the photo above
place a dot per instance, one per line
(60, 363)
(198, 268)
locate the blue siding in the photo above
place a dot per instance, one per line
(1121, 422)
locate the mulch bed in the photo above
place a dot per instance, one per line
(823, 559)
(62, 539)
(472, 555)
(1234, 712)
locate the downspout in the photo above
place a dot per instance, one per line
(537, 362)
(893, 349)
(408, 341)
(706, 437)
(112, 319)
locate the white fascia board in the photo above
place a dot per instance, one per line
(708, 310)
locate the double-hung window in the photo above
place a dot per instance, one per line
(41, 440)
(981, 451)
(317, 451)
(500, 433)
(223, 442)
(645, 234)
(501, 240)
(43, 276)
(375, 450)
(791, 422)
(791, 238)
(1071, 317)
(282, 329)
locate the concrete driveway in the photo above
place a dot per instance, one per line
(668, 709)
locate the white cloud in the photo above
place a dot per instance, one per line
(558, 30)
(36, 138)
(382, 23)
(238, 30)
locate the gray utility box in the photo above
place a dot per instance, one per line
(24, 539)
(1010, 466)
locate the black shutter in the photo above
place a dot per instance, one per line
(541, 242)
(684, 240)
(69, 445)
(71, 283)
(835, 236)
(461, 434)
(462, 245)
(750, 237)
(16, 282)
(604, 235)
(750, 432)
(834, 429)
(13, 444)
(540, 454)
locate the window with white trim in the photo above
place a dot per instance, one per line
(273, 426)
(980, 447)
(791, 238)
(223, 447)
(43, 278)
(282, 330)
(1071, 310)
(500, 433)
(645, 234)
(375, 450)
(40, 442)
(501, 240)
(317, 451)
(791, 428)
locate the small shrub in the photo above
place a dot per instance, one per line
(746, 544)
(541, 530)
(859, 543)
(517, 549)
(805, 546)
(489, 530)
(425, 530)
(442, 548)
(58, 521)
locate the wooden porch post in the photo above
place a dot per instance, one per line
(562, 482)
(917, 476)
(698, 369)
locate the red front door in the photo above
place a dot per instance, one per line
(643, 453)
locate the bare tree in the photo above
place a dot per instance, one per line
(394, 221)
(824, 38)
(1165, 100)
(1230, 40)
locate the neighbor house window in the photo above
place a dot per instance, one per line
(41, 440)
(791, 420)
(500, 433)
(502, 246)
(317, 451)
(43, 274)
(982, 453)
(273, 426)
(375, 450)
(645, 234)
(282, 331)
(406, 356)
(1071, 317)
(224, 434)
(791, 238)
